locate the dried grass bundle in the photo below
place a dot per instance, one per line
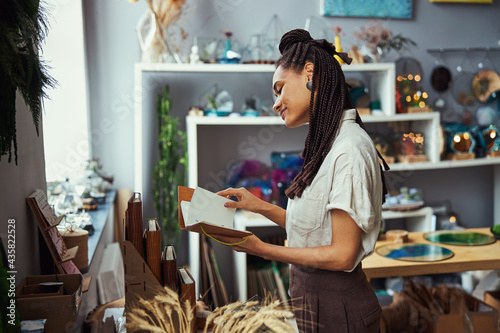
(167, 13)
(268, 316)
(164, 313)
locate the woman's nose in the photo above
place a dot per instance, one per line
(277, 105)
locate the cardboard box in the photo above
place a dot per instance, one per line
(59, 310)
(480, 317)
(40, 290)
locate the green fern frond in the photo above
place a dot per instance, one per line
(22, 29)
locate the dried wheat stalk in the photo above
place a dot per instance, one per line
(250, 317)
(164, 313)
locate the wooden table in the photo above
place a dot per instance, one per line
(466, 258)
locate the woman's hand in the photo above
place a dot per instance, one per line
(250, 202)
(253, 245)
(246, 200)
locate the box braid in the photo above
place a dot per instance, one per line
(332, 97)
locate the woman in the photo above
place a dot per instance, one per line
(334, 208)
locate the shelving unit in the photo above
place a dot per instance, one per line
(215, 142)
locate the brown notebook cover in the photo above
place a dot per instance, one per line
(153, 249)
(187, 293)
(185, 194)
(169, 268)
(134, 222)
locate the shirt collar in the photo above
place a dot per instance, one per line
(349, 114)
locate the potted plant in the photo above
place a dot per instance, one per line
(171, 169)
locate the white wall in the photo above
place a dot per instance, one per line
(66, 130)
(18, 182)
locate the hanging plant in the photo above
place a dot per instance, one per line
(22, 29)
(171, 169)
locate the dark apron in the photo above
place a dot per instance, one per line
(333, 301)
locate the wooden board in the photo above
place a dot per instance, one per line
(466, 258)
(140, 282)
(493, 153)
(412, 158)
(461, 156)
(418, 109)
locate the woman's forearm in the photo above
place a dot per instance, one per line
(273, 213)
(323, 257)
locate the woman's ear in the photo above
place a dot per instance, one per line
(309, 69)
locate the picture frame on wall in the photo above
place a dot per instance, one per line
(464, 1)
(396, 9)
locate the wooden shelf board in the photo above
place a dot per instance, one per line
(466, 258)
(70, 254)
(56, 223)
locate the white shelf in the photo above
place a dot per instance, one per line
(419, 220)
(260, 121)
(444, 164)
(245, 220)
(248, 68)
(431, 116)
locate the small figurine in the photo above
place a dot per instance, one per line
(195, 111)
(230, 56)
(194, 57)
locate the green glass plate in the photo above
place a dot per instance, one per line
(414, 252)
(459, 237)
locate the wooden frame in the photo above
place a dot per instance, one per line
(464, 1)
(398, 9)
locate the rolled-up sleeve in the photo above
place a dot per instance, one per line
(351, 194)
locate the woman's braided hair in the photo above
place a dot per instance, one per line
(332, 97)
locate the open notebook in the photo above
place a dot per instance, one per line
(203, 211)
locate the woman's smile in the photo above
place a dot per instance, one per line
(282, 112)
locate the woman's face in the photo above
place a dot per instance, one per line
(292, 96)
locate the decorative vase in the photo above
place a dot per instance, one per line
(338, 48)
(152, 40)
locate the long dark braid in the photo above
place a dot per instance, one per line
(332, 97)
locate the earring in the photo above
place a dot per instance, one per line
(309, 85)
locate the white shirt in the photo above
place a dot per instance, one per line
(348, 179)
